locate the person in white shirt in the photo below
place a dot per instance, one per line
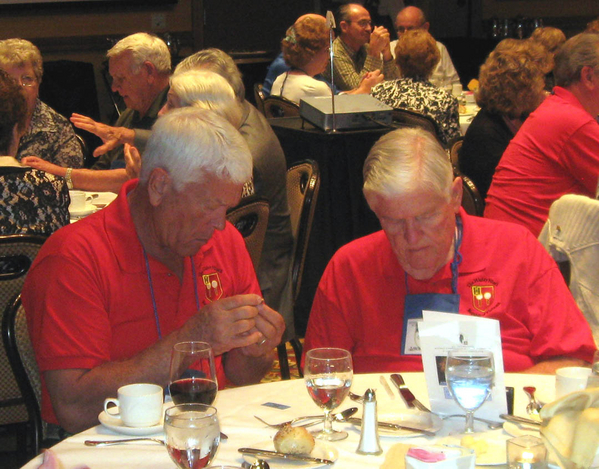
(445, 74)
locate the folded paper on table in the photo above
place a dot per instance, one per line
(441, 332)
(571, 428)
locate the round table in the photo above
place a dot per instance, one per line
(237, 407)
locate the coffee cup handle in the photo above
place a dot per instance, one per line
(112, 400)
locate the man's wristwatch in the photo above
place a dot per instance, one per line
(67, 178)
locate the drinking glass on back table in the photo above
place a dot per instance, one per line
(328, 374)
(470, 374)
(192, 373)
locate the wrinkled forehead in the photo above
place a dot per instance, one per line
(409, 20)
(357, 14)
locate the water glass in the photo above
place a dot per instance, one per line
(328, 374)
(192, 435)
(469, 375)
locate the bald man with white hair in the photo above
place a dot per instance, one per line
(444, 75)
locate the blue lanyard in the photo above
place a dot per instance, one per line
(457, 258)
(195, 288)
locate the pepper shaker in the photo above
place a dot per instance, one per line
(369, 433)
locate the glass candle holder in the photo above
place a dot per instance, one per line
(526, 452)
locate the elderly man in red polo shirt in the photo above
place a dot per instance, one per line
(431, 255)
(109, 296)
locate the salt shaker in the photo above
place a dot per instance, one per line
(369, 435)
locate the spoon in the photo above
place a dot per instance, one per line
(355, 397)
(259, 464)
(534, 406)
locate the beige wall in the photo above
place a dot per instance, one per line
(539, 8)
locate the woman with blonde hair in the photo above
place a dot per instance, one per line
(551, 39)
(511, 86)
(417, 55)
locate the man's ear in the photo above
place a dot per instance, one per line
(159, 185)
(456, 194)
(426, 25)
(150, 70)
(588, 78)
(343, 25)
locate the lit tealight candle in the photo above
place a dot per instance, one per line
(526, 452)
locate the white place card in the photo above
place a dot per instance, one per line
(441, 332)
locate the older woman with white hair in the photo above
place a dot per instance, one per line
(48, 135)
(203, 89)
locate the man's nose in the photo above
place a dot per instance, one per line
(412, 232)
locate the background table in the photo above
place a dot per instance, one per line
(236, 408)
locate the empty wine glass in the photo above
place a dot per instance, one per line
(192, 373)
(192, 435)
(328, 374)
(469, 374)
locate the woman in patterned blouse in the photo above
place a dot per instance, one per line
(417, 55)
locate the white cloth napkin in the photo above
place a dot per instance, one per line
(571, 428)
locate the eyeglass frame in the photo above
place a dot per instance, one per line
(27, 81)
(361, 23)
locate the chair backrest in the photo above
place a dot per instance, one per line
(259, 97)
(411, 118)
(24, 366)
(17, 253)
(277, 106)
(250, 218)
(472, 201)
(455, 147)
(303, 182)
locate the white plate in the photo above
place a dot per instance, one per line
(321, 450)
(116, 424)
(514, 429)
(495, 455)
(88, 210)
(415, 418)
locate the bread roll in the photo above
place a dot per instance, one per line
(294, 440)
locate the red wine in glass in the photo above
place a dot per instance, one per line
(193, 391)
(189, 458)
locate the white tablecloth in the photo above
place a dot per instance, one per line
(466, 118)
(97, 199)
(236, 408)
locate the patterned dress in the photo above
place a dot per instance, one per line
(32, 201)
(52, 138)
(422, 96)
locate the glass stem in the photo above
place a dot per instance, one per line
(328, 422)
(469, 422)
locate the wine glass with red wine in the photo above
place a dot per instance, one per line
(328, 374)
(192, 435)
(192, 374)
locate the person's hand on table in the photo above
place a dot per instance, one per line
(271, 326)
(111, 136)
(369, 80)
(132, 161)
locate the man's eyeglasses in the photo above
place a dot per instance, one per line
(27, 81)
(403, 29)
(361, 23)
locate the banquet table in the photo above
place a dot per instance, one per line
(467, 116)
(237, 407)
(96, 201)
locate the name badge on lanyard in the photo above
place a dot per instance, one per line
(443, 302)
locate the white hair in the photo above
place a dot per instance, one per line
(143, 47)
(577, 52)
(19, 53)
(406, 160)
(190, 142)
(206, 90)
(217, 61)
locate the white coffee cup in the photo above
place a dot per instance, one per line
(469, 95)
(570, 379)
(456, 90)
(138, 405)
(78, 200)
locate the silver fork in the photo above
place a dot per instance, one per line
(310, 420)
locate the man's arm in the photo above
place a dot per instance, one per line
(226, 324)
(548, 367)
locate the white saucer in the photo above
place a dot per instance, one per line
(116, 424)
(88, 210)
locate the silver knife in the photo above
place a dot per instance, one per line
(522, 420)
(277, 455)
(407, 395)
(394, 426)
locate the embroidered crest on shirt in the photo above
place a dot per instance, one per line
(214, 289)
(483, 297)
